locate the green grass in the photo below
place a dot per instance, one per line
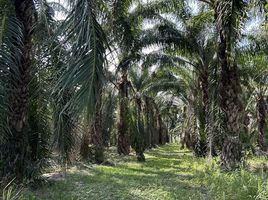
(168, 173)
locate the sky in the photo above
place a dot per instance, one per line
(59, 15)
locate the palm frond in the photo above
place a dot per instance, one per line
(230, 18)
(85, 67)
(153, 10)
(9, 65)
(124, 31)
(164, 60)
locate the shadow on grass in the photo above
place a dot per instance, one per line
(162, 176)
(145, 184)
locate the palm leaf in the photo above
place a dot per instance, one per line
(85, 66)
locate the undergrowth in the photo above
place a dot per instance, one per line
(168, 173)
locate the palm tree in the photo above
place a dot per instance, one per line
(253, 58)
(146, 125)
(125, 32)
(19, 94)
(85, 70)
(193, 50)
(76, 90)
(261, 108)
(24, 129)
(127, 26)
(123, 126)
(19, 75)
(228, 17)
(109, 107)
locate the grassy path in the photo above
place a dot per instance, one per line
(168, 173)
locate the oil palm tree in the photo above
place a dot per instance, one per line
(229, 16)
(193, 45)
(21, 100)
(20, 77)
(85, 71)
(146, 125)
(24, 136)
(126, 29)
(127, 26)
(253, 59)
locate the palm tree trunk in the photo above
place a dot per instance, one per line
(155, 133)
(19, 93)
(94, 135)
(123, 133)
(203, 114)
(231, 107)
(147, 113)
(183, 130)
(160, 127)
(153, 128)
(211, 151)
(139, 146)
(261, 113)
(96, 131)
(84, 148)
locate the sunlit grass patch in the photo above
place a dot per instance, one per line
(168, 173)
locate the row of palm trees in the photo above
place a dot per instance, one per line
(208, 44)
(57, 87)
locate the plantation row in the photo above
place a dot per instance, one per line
(79, 76)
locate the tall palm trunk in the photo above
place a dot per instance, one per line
(96, 131)
(19, 93)
(161, 133)
(205, 107)
(206, 142)
(231, 107)
(262, 115)
(203, 98)
(123, 133)
(228, 17)
(94, 135)
(84, 148)
(211, 143)
(185, 136)
(160, 129)
(153, 123)
(19, 96)
(148, 118)
(139, 145)
(154, 137)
